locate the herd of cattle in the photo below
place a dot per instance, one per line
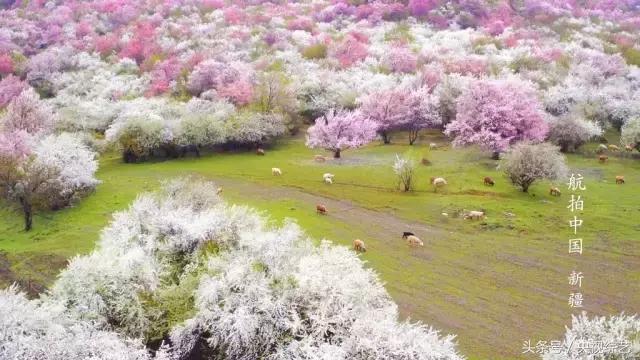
(437, 182)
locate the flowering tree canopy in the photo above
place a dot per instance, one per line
(631, 133)
(27, 112)
(240, 289)
(496, 114)
(620, 329)
(526, 163)
(59, 169)
(388, 109)
(339, 129)
(402, 109)
(570, 132)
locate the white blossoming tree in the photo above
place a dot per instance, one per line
(215, 280)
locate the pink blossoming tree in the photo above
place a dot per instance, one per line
(339, 129)
(350, 51)
(496, 114)
(10, 87)
(387, 109)
(422, 113)
(28, 113)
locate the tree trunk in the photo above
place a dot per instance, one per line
(336, 154)
(413, 136)
(385, 137)
(28, 214)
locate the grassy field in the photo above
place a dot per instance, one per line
(494, 283)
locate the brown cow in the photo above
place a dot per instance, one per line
(358, 245)
(321, 209)
(619, 179)
(488, 181)
(319, 158)
(554, 191)
(628, 147)
(613, 147)
(603, 158)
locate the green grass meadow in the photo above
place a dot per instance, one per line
(494, 283)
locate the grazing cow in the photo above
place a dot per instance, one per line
(406, 234)
(603, 158)
(328, 178)
(433, 146)
(425, 162)
(438, 183)
(613, 147)
(319, 158)
(358, 245)
(321, 209)
(474, 215)
(554, 191)
(276, 171)
(488, 181)
(413, 240)
(260, 151)
(601, 148)
(628, 147)
(219, 190)
(619, 179)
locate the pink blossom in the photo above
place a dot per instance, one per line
(239, 92)
(401, 59)
(15, 145)
(387, 109)
(28, 113)
(212, 4)
(234, 15)
(420, 8)
(430, 77)
(106, 44)
(162, 75)
(6, 64)
(349, 51)
(301, 23)
(475, 66)
(338, 130)
(10, 87)
(496, 114)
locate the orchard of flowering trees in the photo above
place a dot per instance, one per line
(148, 74)
(181, 273)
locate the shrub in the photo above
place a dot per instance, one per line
(526, 163)
(315, 51)
(404, 169)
